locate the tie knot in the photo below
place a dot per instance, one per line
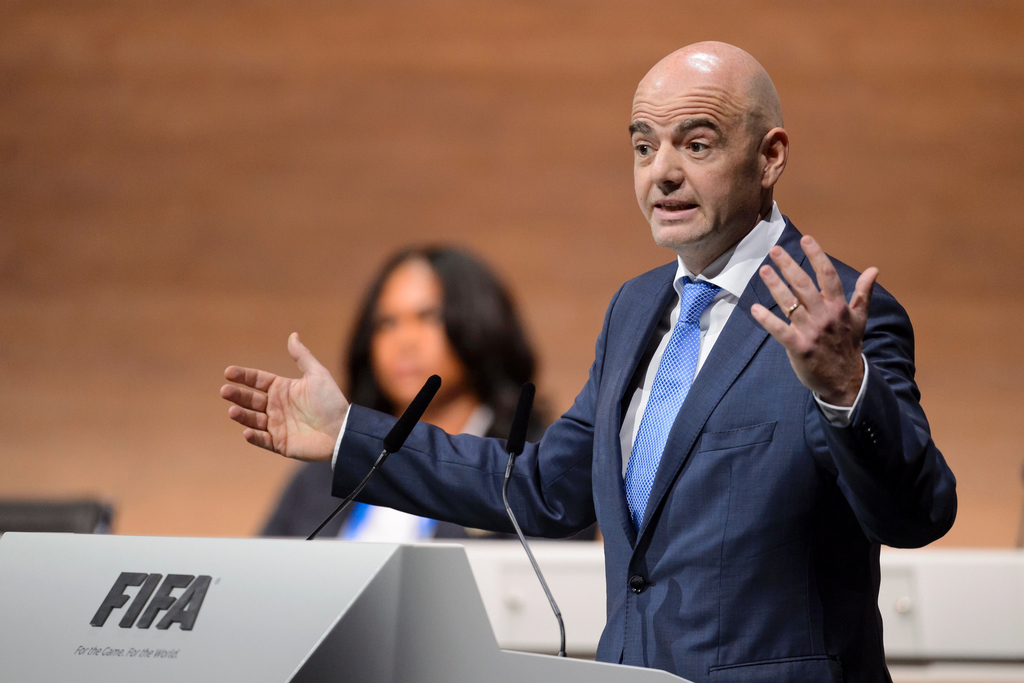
(695, 297)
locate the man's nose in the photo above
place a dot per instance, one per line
(667, 170)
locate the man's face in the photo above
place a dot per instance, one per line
(695, 165)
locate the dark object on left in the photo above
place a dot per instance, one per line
(67, 516)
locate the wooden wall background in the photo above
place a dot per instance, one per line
(184, 183)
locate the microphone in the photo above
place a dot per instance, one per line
(392, 442)
(516, 443)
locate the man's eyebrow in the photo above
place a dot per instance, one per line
(689, 124)
(640, 127)
(682, 128)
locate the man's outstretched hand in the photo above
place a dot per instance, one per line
(824, 335)
(298, 418)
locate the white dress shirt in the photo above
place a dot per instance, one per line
(731, 272)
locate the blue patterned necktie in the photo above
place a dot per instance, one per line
(671, 384)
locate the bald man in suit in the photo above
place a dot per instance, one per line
(749, 434)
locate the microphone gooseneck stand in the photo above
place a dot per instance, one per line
(392, 442)
(516, 443)
(352, 496)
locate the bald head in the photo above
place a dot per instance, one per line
(726, 70)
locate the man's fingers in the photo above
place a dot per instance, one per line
(779, 290)
(249, 418)
(861, 298)
(250, 377)
(775, 327)
(302, 356)
(798, 280)
(828, 279)
(259, 438)
(245, 397)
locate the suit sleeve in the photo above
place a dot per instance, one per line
(459, 478)
(888, 468)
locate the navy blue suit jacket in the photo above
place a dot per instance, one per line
(757, 559)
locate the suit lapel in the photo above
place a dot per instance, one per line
(740, 339)
(646, 309)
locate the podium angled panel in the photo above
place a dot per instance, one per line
(363, 643)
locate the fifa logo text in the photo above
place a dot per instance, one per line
(182, 610)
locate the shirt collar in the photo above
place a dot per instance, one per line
(733, 269)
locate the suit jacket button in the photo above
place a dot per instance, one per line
(637, 584)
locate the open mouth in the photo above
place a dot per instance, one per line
(672, 206)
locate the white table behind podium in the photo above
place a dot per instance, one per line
(275, 611)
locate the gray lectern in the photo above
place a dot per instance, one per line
(121, 608)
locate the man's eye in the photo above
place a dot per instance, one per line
(697, 147)
(643, 150)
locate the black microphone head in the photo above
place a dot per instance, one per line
(521, 420)
(400, 432)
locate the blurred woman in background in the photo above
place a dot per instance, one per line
(434, 310)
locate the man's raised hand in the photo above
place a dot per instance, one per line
(298, 418)
(824, 335)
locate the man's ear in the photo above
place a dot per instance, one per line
(773, 155)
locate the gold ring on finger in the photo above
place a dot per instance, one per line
(789, 311)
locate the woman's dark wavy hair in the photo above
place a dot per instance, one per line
(482, 326)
